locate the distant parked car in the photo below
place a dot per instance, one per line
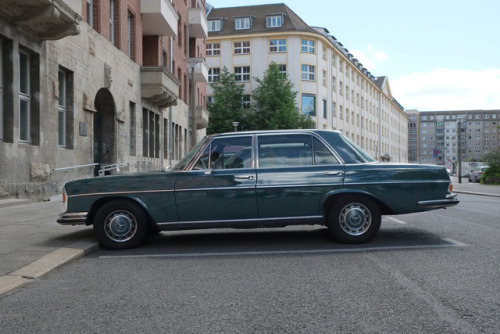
(475, 175)
(258, 179)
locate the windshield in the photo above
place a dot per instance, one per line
(181, 165)
(359, 150)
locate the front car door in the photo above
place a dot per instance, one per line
(294, 174)
(221, 185)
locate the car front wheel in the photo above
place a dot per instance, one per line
(120, 224)
(354, 219)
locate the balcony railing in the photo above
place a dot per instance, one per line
(200, 69)
(159, 86)
(158, 18)
(198, 25)
(202, 115)
(44, 19)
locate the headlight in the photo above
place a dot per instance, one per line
(65, 200)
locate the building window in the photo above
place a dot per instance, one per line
(131, 35)
(274, 21)
(277, 45)
(309, 104)
(241, 48)
(62, 108)
(307, 46)
(90, 13)
(24, 96)
(150, 134)
(132, 133)
(242, 73)
(245, 102)
(112, 21)
(214, 25)
(324, 78)
(213, 49)
(242, 23)
(308, 72)
(324, 109)
(282, 69)
(214, 74)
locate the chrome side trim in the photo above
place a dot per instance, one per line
(233, 222)
(122, 193)
(72, 218)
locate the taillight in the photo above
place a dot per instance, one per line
(451, 187)
(65, 199)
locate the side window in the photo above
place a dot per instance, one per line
(322, 156)
(227, 153)
(293, 151)
(285, 150)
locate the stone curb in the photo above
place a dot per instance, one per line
(474, 193)
(46, 264)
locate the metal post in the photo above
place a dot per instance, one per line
(192, 108)
(459, 145)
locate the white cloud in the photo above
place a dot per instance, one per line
(449, 89)
(371, 58)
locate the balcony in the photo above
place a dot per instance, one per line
(202, 115)
(159, 86)
(198, 23)
(200, 69)
(44, 19)
(158, 18)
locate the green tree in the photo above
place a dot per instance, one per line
(274, 103)
(227, 107)
(492, 174)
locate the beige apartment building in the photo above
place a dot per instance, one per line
(92, 87)
(334, 88)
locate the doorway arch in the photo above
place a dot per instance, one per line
(104, 129)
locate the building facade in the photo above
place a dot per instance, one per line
(90, 87)
(333, 87)
(445, 137)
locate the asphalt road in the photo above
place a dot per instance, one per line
(435, 272)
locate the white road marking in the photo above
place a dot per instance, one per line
(396, 220)
(449, 243)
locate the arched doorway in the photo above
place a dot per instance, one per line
(104, 129)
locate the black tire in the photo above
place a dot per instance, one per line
(120, 224)
(354, 219)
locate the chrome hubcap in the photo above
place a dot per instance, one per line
(355, 219)
(120, 226)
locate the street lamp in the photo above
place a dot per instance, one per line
(235, 124)
(193, 63)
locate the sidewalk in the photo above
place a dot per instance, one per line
(32, 243)
(467, 187)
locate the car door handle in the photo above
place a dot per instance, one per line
(334, 173)
(247, 177)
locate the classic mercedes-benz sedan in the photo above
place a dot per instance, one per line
(258, 179)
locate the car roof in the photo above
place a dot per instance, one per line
(286, 131)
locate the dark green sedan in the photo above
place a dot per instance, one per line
(258, 179)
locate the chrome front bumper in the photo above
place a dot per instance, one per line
(450, 200)
(72, 218)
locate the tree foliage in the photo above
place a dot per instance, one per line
(226, 107)
(492, 174)
(274, 104)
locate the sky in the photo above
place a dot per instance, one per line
(437, 54)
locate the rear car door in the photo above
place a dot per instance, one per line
(294, 174)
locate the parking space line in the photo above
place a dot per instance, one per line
(396, 220)
(449, 243)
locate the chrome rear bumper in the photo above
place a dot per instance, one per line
(450, 200)
(72, 218)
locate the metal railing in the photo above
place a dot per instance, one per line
(66, 169)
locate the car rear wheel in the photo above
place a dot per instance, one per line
(120, 224)
(354, 219)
